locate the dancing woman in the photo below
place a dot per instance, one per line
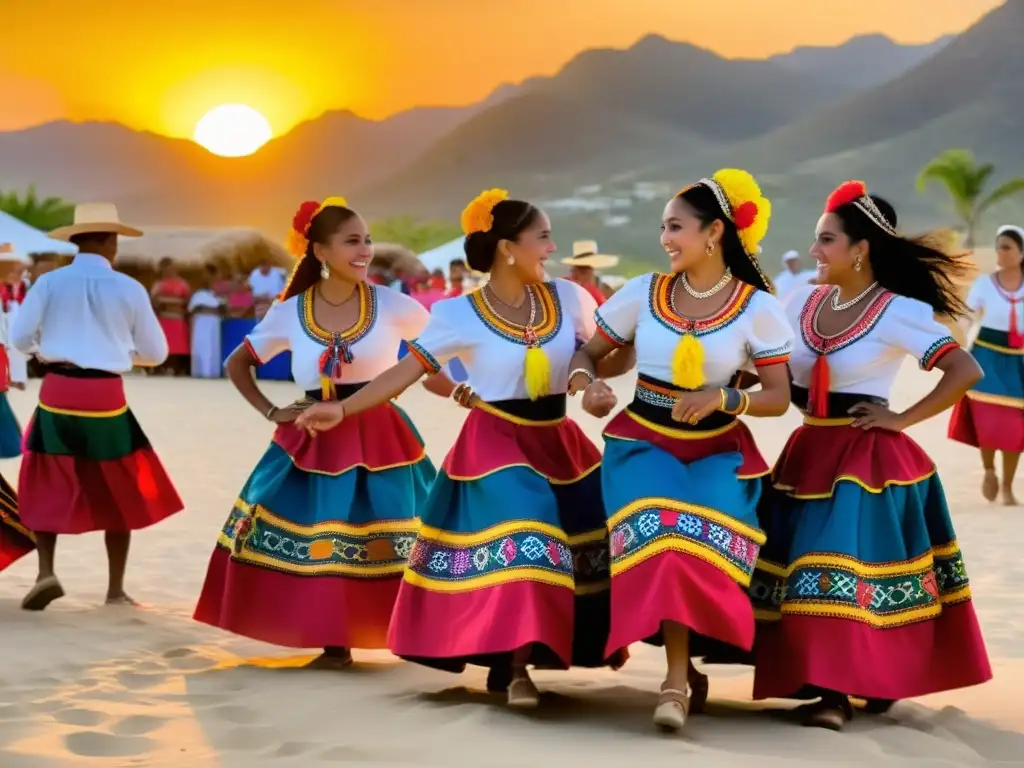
(862, 570)
(509, 566)
(991, 415)
(681, 474)
(313, 551)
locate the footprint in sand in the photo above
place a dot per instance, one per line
(135, 681)
(79, 716)
(293, 749)
(234, 713)
(96, 744)
(137, 725)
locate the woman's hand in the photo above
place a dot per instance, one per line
(290, 412)
(874, 416)
(599, 399)
(320, 417)
(464, 395)
(691, 407)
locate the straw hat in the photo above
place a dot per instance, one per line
(8, 253)
(584, 254)
(95, 217)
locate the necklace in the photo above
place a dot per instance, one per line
(343, 302)
(528, 328)
(710, 291)
(837, 307)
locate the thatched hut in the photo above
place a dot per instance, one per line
(193, 249)
(390, 260)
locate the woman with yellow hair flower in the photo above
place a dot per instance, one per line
(509, 566)
(312, 553)
(681, 474)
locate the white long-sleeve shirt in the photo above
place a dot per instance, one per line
(91, 316)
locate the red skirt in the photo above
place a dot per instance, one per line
(88, 465)
(16, 540)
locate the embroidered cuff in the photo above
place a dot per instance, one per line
(427, 360)
(937, 351)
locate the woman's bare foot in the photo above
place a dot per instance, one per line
(990, 485)
(1009, 500)
(333, 657)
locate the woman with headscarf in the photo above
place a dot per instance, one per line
(990, 416)
(862, 572)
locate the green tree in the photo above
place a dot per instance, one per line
(418, 236)
(43, 214)
(965, 180)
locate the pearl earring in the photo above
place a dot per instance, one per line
(510, 260)
(325, 271)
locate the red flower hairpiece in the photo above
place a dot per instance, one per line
(745, 215)
(844, 194)
(303, 217)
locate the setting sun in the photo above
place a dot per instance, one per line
(232, 130)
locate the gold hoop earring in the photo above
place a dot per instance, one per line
(709, 249)
(325, 271)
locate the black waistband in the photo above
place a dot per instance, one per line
(74, 372)
(341, 391)
(839, 403)
(992, 336)
(661, 413)
(548, 408)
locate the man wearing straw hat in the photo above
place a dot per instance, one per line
(584, 262)
(88, 466)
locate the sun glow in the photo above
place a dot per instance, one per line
(232, 130)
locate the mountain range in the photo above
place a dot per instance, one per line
(659, 112)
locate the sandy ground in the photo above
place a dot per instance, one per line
(87, 684)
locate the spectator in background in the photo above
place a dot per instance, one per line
(170, 295)
(240, 299)
(583, 266)
(791, 277)
(266, 282)
(205, 308)
(456, 278)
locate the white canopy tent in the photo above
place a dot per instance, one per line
(443, 255)
(27, 240)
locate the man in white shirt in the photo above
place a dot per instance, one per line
(87, 465)
(791, 277)
(266, 282)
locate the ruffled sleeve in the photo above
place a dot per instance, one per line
(617, 318)
(440, 340)
(770, 340)
(272, 335)
(910, 325)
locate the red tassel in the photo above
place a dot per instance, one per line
(817, 398)
(1015, 337)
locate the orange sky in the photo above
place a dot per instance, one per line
(161, 65)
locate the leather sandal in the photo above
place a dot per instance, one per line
(43, 592)
(830, 715)
(523, 694)
(672, 710)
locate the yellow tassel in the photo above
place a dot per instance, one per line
(327, 389)
(537, 369)
(688, 363)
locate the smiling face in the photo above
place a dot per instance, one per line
(1008, 252)
(348, 251)
(530, 250)
(685, 237)
(834, 253)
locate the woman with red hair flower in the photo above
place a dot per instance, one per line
(312, 553)
(862, 583)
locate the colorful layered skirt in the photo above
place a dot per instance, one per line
(992, 414)
(16, 540)
(681, 506)
(312, 553)
(512, 550)
(10, 430)
(88, 465)
(862, 584)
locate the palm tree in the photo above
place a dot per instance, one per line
(43, 214)
(965, 179)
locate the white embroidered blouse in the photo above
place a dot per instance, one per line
(493, 352)
(750, 328)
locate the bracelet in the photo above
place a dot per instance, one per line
(746, 403)
(584, 371)
(270, 412)
(732, 400)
